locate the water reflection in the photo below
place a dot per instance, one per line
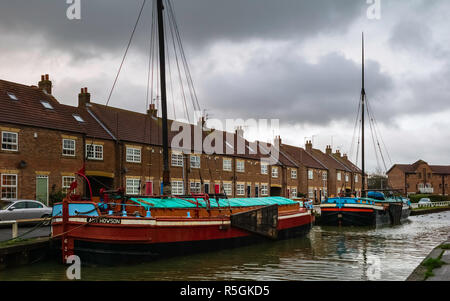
(327, 253)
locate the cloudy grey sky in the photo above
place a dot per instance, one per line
(294, 60)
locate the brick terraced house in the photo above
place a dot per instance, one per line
(420, 177)
(352, 181)
(42, 141)
(45, 142)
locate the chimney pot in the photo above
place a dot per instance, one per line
(45, 84)
(308, 146)
(83, 98)
(152, 111)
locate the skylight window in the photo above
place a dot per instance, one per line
(12, 96)
(228, 144)
(46, 105)
(78, 118)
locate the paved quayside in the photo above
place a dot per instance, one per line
(435, 267)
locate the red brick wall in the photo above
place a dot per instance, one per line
(41, 149)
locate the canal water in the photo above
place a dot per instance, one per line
(327, 253)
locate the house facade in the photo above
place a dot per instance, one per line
(420, 177)
(44, 143)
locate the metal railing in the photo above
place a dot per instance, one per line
(429, 205)
(15, 224)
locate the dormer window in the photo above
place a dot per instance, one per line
(12, 96)
(46, 104)
(78, 118)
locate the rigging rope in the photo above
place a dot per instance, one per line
(151, 57)
(184, 59)
(171, 25)
(381, 137)
(373, 137)
(126, 51)
(354, 131)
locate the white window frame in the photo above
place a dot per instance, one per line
(227, 164)
(177, 187)
(228, 188)
(177, 159)
(324, 175)
(293, 173)
(78, 118)
(14, 188)
(310, 192)
(133, 155)
(240, 189)
(47, 105)
(67, 149)
(133, 186)
(264, 189)
(96, 153)
(195, 161)
(356, 178)
(264, 168)
(338, 176)
(274, 174)
(240, 166)
(64, 182)
(12, 96)
(12, 144)
(195, 187)
(346, 177)
(293, 192)
(310, 174)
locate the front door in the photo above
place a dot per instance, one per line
(149, 188)
(249, 191)
(42, 189)
(256, 191)
(206, 187)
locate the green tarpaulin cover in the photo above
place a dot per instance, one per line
(150, 203)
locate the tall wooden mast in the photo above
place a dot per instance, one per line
(363, 96)
(167, 190)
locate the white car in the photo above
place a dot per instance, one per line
(424, 201)
(23, 209)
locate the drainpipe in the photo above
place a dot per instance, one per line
(84, 159)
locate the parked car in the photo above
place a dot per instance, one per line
(424, 201)
(23, 209)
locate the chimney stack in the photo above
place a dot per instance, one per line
(308, 146)
(328, 150)
(45, 84)
(152, 111)
(83, 98)
(345, 157)
(338, 153)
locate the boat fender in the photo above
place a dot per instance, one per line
(124, 213)
(188, 214)
(149, 214)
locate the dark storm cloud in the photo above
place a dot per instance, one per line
(313, 93)
(105, 25)
(293, 90)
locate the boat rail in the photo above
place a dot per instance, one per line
(105, 209)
